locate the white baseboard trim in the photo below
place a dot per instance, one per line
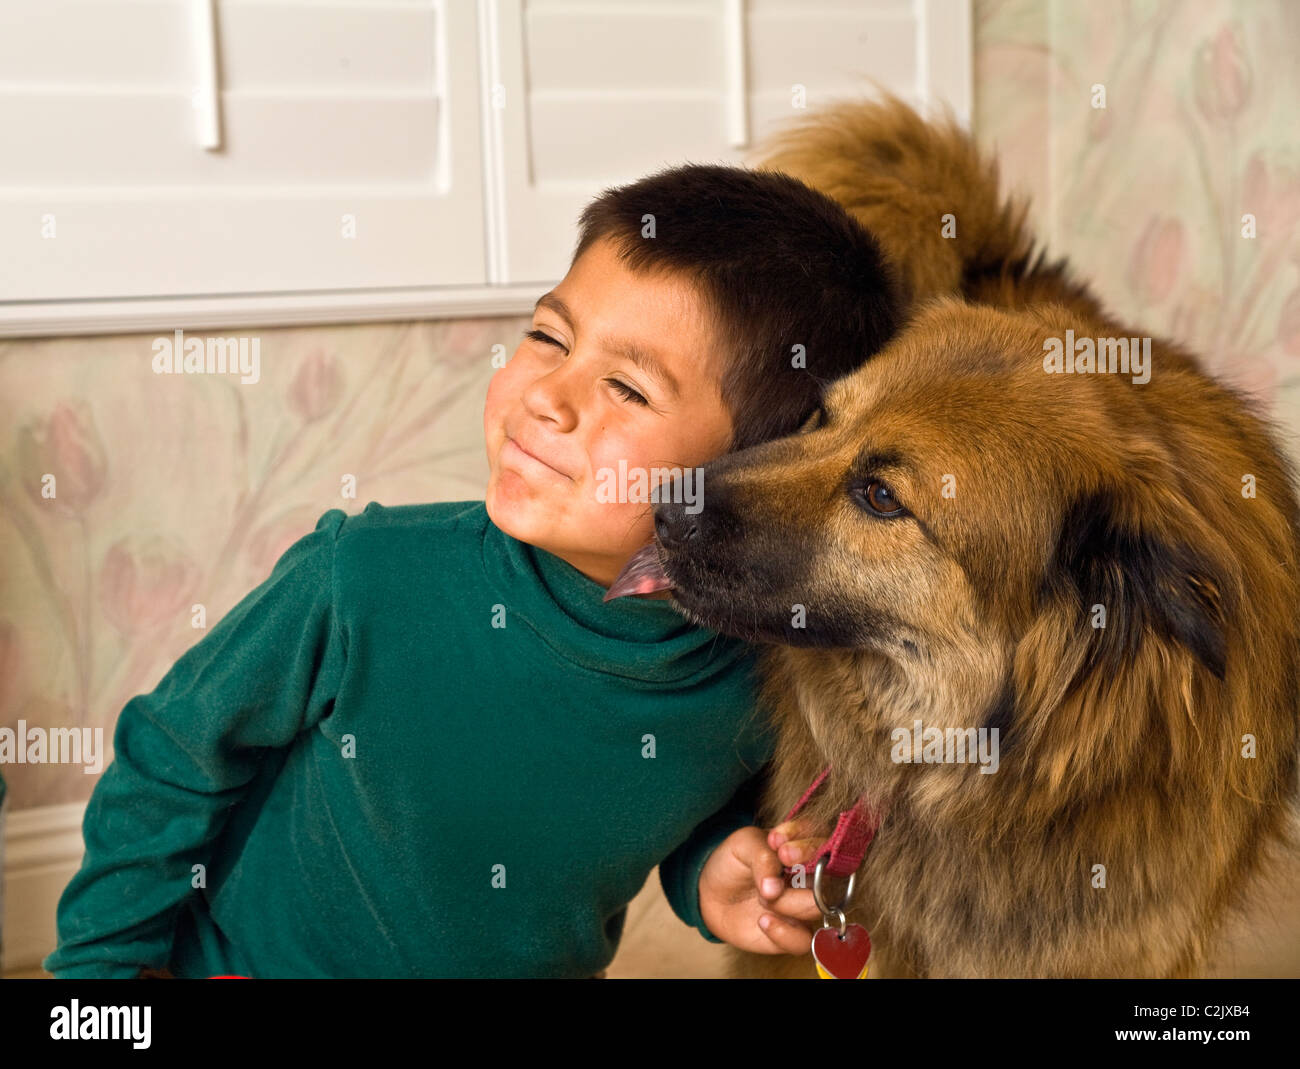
(43, 848)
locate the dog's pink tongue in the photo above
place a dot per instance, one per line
(642, 574)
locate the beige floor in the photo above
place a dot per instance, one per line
(658, 945)
(1265, 943)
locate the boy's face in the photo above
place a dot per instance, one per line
(583, 404)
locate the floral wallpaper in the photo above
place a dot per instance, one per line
(176, 490)
(181, 490)
(1147, 195)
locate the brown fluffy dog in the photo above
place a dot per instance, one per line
(1104, 570)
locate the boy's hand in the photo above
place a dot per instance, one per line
(736, 895)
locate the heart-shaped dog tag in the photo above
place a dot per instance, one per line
(841, 957)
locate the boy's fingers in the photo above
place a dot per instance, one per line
(795, 905)
(787, 936)
(762, 861)
(769, 876)
(769, 867)
(799, 851)
(792, 829)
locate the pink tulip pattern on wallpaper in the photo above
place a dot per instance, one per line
(1147, 196)
(176, 490)
(186, 489)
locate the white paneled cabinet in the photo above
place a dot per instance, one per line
(340, 160)
(596, 94)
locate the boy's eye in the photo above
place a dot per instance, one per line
(623, 388)
(537, 335)
(627, 392)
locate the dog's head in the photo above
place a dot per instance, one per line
(959, 510)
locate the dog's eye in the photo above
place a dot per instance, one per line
(878, 497)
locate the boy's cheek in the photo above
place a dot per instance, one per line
(495, 386)
(505, 390)
(494, 407)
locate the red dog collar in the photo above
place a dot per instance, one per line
(853, 833)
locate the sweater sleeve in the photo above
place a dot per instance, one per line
(185, 754)
(679, 872)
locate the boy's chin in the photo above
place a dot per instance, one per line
(513, 518)
(530, 519)
(536, 526)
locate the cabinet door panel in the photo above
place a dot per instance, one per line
(586, 96)
(349, 154)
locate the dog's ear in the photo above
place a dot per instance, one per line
(1142, 566)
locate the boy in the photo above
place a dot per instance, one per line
(425, 745)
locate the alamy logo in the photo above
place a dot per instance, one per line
(945, 746)
(219, 356)
(651, 484)
(56, 746)
(76, 1021)
(1098, 356)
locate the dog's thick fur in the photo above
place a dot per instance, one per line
(1147, 765)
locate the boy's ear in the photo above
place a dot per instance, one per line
(1155, 570)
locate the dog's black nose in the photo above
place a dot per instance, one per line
(674, 525)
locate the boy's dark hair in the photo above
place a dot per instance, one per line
(779, 264)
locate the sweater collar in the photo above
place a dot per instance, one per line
(634, 637)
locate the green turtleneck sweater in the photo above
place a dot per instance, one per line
(419, 748)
